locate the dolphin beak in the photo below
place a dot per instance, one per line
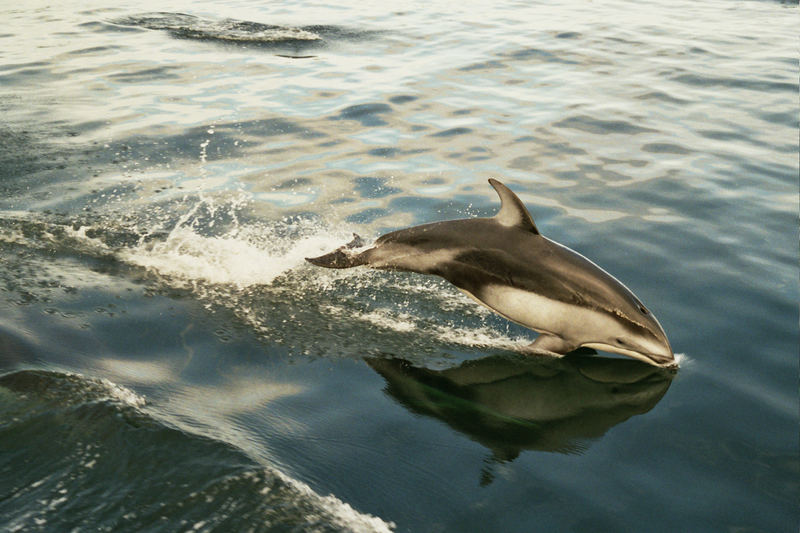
(663, 355)
(660, 352)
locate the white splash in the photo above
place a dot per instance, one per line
(235, 259)
(341, 513)
(400, 322)
(683, 360)
(482, 336)
(123, 394)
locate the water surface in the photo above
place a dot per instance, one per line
(168, 361)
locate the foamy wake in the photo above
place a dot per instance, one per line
(482, 336)
(239, 258)
(218, 266)
(339, 512)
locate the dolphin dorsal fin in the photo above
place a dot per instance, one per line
(512, 210)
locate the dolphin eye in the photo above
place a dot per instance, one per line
(621, 342)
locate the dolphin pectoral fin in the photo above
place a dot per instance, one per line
(550, 344)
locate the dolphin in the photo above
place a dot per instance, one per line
(507, 265)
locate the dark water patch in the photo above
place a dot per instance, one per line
(569, 35)
(596, 172)
(787, 118)
(374, 188)
(403, 99)
(328, 144)
(524, 162)
(721, 135)
(661, 96)
(783, 174)
(665, 148)
(635, 163)
(385, 152)
(33, 158)
(32, 65)
(696, 80)
(15, 349)
(147, 75)
(484, 65)
(367, 216)
(740, 135)
(452, 132)
(392, 152)
(698, 50)
(540, 55)
(366, 114)
(602, 127)
(26, 76)
(563, 147)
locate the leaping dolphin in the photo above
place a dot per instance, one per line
(504, 263)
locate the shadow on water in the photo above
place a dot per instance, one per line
(512, 403)
(245, 33)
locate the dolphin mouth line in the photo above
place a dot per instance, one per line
(656, 360)
(659, 360)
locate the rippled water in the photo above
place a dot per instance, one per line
(168, 361)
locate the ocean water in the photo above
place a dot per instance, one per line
(169, 362)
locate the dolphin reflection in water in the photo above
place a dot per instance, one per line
(504, 263)
(511, 403)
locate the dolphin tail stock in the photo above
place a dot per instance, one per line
(342, 257)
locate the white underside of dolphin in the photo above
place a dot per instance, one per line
(504, 263)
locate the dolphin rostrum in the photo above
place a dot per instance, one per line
(504, 263)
